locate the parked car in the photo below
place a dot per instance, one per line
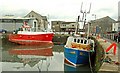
(3, 31)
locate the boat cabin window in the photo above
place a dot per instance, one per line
(85, 42)
(81, 41)
(26, 29)
(78, 40)
(74, 40)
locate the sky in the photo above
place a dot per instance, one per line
(66, 10)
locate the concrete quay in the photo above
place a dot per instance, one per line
(112, 65)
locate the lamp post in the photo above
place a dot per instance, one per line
(94, 27)
(94, 16)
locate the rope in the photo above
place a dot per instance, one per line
(90, 64)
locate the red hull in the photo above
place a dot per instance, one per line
(38, 39)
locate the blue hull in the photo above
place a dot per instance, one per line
(76, 57)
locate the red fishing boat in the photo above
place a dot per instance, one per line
(27, 35)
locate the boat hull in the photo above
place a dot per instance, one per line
(76, 57)
(33, 39)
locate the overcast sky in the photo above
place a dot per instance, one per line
(60, 9)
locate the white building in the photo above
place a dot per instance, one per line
(115, 26)
(41, 20)
(119, 16)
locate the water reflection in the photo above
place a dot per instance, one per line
(20, 57)
(36, 58)
(68, 67)
(32, 58)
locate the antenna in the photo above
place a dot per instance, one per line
(89, 8)
(78, 18)
(84, 14)
(81, 7)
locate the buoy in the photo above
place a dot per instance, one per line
(117, 63)
(105, 40)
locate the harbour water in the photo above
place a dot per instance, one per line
(20, 58)
(46, 58)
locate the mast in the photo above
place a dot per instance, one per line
(76, 29)
(84, 15)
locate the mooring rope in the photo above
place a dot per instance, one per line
(90, 64)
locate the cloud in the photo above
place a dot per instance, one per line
(60, 9)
